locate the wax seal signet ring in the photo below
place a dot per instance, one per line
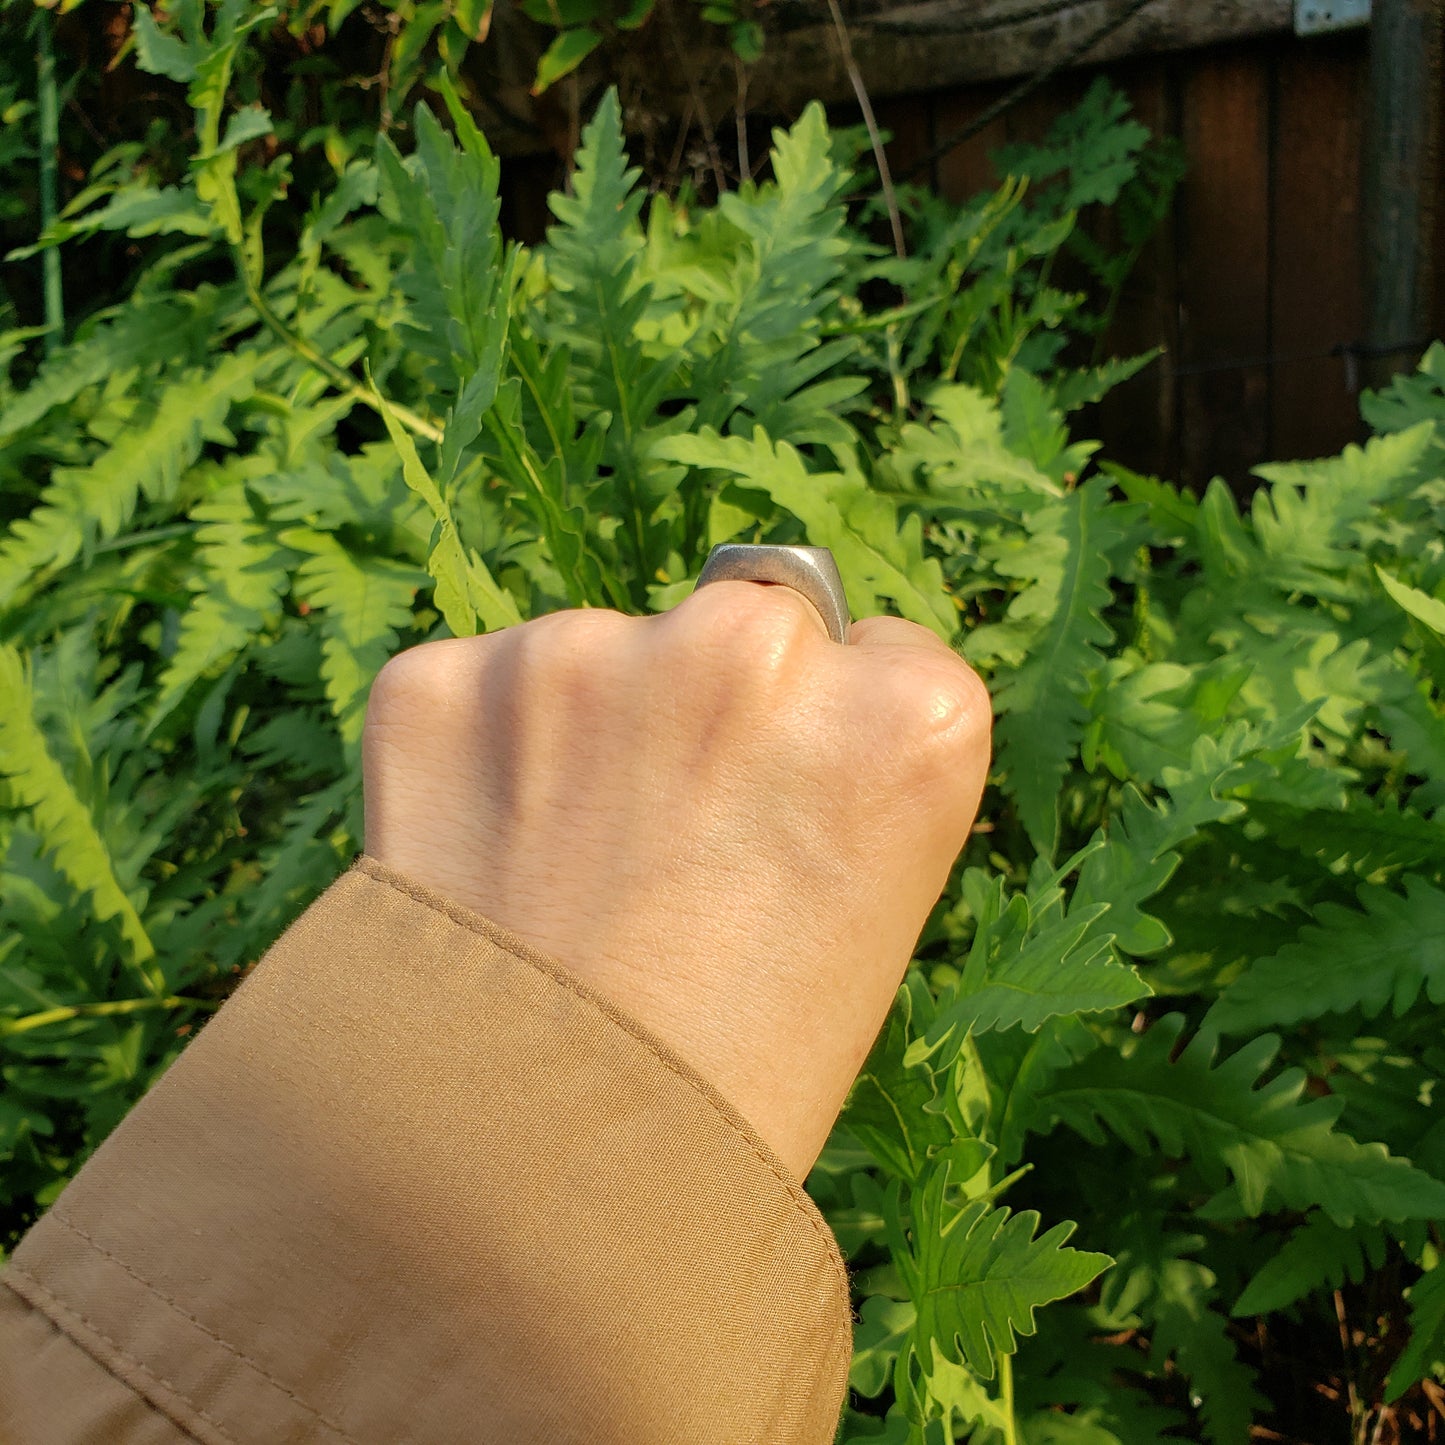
(809, 570)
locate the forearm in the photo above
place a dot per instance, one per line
(414, 1181)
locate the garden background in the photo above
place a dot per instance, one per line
(1149, 1149)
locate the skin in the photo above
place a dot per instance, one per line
(718, 818)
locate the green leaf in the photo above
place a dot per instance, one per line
(884, 1326)
(566, 52)
(82, 505)
(465, 589)
(1420, 605)
(65, 824)
(159, 53)
(977, 1274)
(365, 601)
(1055, 630)
(241, 577)
(1425, 1351)
(881, 560)
(1196, 1336)
(1276, 1150)
(1318, 1255)
(1381, 956)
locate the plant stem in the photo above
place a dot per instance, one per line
(106, 1009)
(49, 195)
(337, 375)
(855, 77)
(1006, 1387)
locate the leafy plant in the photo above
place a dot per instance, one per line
(1168, 1052)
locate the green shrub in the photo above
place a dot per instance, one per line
(1185, 988)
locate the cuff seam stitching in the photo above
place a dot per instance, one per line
(64, 1317)
(519, 949)
(230, 1349)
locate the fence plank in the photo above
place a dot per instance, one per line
(1223, 267)
(1317, 299)
(1138, 419)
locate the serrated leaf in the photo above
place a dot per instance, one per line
(159, 53)
(66, 826)
(979, 1274)
(881, 560)
(1277, 1149)
(365, 601)
(1319, 1254)
(465, 589)
(1055, 624)
(1426, 1348)
(85, 504)
(1383, 955)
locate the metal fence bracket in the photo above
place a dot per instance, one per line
(1316, 17)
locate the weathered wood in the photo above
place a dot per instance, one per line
(1138, 418)
(676, 63)
(1317, 290)
(1223, 268)
(966, 170)
(1401, 182)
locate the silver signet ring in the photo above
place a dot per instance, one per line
(809, 570)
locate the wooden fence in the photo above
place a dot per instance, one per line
(1254, 287)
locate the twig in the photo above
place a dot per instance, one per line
(106, 1009)
(740, 113)
(1026, 87)
(965, 24)
(337, 375)
(49, 197)
(865, 105)
(709, 139)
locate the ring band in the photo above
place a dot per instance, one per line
(809, 570)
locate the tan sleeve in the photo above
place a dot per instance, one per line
(415, 1183)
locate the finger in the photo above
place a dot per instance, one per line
(747, 600)
(886, 633)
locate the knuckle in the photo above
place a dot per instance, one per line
(759, 626)
(948, 709)
(408, 678)
(565, 647)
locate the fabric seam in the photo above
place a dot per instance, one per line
(525, 953)
(64, 1318)
(230, 1349)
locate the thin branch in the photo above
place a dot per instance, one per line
(1027, 86)
(337, 375)
(49, 191)
(740, 114)
(109, 1008)
(890, 199)
(709, 139)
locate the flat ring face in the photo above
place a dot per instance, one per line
(809, 570)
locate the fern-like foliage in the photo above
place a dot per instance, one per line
(83, 505)
(1050, 641)
(977, 1274)
(1319, 1255)
(882, 561)
(1425, 1352)
(1383, 955)
(769, 351)
(1274, 1148)
(67, 829)
(365, 603)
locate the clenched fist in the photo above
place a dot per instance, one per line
(719, 819)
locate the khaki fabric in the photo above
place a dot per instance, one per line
(415, 1183)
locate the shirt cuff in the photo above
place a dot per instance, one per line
(415, 1182)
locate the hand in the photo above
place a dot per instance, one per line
(724, 822)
